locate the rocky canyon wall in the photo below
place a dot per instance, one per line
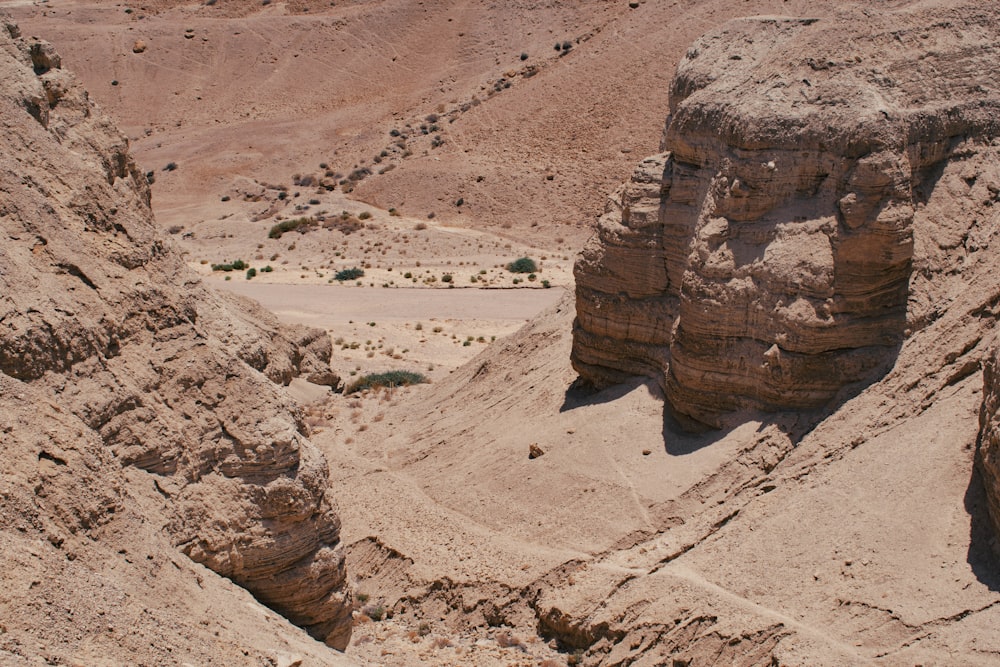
(134, 400)
(771, 256)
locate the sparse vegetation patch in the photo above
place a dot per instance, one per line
(387, 379)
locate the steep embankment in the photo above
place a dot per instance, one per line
(141, 417)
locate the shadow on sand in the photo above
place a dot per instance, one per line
(983, 554)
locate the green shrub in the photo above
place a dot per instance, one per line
(522, 265)
(364, 215)
(386, 379)
(238, 265)
(251, 273)
(267, 269)
(546, 284)
(349, 274)
(447, 278)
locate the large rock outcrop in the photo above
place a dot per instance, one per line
(767, 258)
(132, 398)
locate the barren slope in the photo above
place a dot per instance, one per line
(277, 90)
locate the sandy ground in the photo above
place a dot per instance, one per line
(431, 331)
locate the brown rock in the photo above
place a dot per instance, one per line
(139, 46)
(128, 387)
(534, 451)
(765, 259)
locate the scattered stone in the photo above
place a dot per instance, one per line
(534, 451)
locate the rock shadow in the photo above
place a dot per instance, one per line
(580, 393)
(683, 436)
(983, 551)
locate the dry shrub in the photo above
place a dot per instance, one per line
(507, 640)
(441, 642)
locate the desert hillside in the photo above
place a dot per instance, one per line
(742, 411)
(149, 447)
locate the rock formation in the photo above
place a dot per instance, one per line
(133, 398)
(768, 258)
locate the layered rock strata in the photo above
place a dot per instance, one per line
(764, 259)
(128, 387)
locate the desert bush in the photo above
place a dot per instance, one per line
(170, 166)
(238, 265)
(447, 278)
(522, 265)
(507, 640)
(349, 274)
(345, 224)
(302, 225)
(364, 215)
(546, 284)
(251, 273)
(386, 379)
(267, 269)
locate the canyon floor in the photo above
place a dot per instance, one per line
(500, 514)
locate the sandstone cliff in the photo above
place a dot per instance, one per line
(134, 400)
(780, 249)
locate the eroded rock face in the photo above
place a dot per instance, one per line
(129, 387)
(988, 451)
(764, 259)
